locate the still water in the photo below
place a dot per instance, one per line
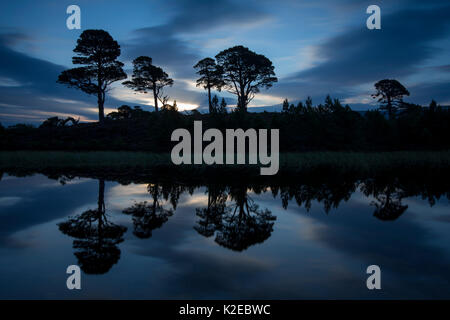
(170, 241)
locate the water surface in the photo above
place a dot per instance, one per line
(159, 240)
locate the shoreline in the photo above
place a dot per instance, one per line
(290, 163)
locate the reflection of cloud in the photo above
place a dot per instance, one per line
(9, 201)
(128, 190)
(45, 202)
(195, 266)
(197, 199)
(422, 208)
(443, 218)
(202, 270)
(408, 261)
(123, 196)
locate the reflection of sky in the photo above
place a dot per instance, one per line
(309, 254)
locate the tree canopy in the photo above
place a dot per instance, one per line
(97, 51)
(211, 77)
(244, 73)
(390, 93)
(147, 77)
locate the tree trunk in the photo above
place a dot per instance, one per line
(101, 195)
(209, 99)
(101, 109)
(242, 103)
(100, 95)
(389, 106)
(155, 97)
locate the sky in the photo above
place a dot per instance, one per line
(317, 48)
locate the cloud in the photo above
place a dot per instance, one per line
(361, 56)
(167, 45)
(24, 69)
(29, 92)
(442, 68)
(206, 15)
(166, 50)
(346, 62)
(422, 93)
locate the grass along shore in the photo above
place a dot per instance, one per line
(39, 160)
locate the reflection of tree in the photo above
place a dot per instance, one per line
(239, 225)
(245, 224)
(169, 192)
(389, 208)
(211, 216)
(96, 237)
(330, 194)
(148, 217)
(387, 191)
(388, 195)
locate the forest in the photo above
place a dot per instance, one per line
(325, 127)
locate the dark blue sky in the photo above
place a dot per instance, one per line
(317, 47)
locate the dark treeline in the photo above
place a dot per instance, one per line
(303, 127)
(326, 185)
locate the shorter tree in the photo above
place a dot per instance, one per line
(433, 106)
(211, 77)
(214, 107)
(285, 105)
(223, 107)
(390, 93)
(147, 77)
(126, 112)
(171, 107)
(218, 108)
(55, 122)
